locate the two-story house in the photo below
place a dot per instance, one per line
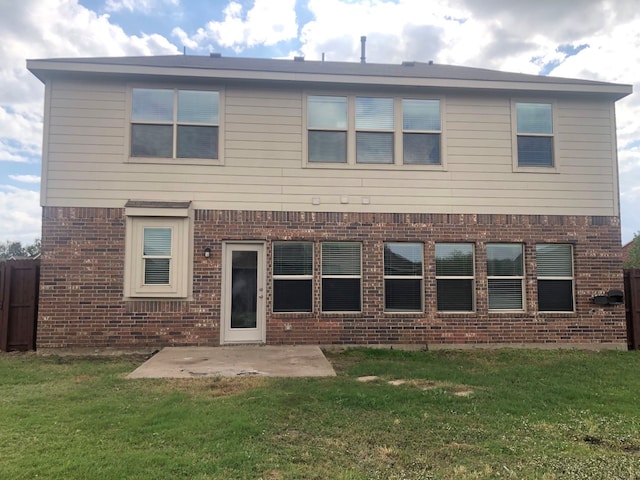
(192, 200)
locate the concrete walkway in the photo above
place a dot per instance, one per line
(269, 360)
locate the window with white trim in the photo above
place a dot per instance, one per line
(455, 277)
(341, 277)
(292, 276)
(327, 128)
(554, 263)
(172, 123)
(374, 130)
(534, 126)
(505, 273)
(371, 130)
(403, 277)
(421, 127)
(157, 257)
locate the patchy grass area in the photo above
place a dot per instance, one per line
(419, 415)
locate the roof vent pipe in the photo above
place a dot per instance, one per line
(363, 49)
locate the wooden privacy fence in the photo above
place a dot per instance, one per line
(19, 282)
(632, 305)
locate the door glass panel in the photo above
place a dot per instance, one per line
(244, 289)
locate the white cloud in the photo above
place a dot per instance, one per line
(268, 22)
(44, 29)
(20, 214)
(144, 6)
(25, 178)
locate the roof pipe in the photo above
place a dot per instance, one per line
(363, 49)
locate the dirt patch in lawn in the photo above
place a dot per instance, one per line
(213, 387)
(452, 388)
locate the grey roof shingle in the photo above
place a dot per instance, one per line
(262, 69)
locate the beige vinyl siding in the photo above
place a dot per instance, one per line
(88, 164)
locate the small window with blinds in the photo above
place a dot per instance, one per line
(157, 257)
(374, 130)
(534, 123)
(421, 131)
(403, 277)
(554, 263)
(292, 277)
(455, 277)
(327, 129)
(170, 123)
(505, 274)
(341, 277)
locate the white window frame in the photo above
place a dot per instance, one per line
(459, 277)
(323, 276)
(397, 133)
(572, 278)
(292, 277)
(181, 260)
(439, 132)
(404, 277)
(554, 168)
(174, 159)
(508, 277)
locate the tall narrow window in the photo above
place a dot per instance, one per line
(555, 277)
(156, 255)
(197, 124)
(169, 123)
(455, 277)
(535, 134)
(421, 131)
(327, 128)
(292, 277)
(341, 277)
(374, 130)
(505, 272)
(403, 272)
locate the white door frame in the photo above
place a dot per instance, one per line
(243, 335)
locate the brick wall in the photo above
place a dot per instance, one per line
(81, 299)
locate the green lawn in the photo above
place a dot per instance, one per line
(458, 415)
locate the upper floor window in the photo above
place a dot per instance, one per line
(421, 129)
(534, 125)
(355, 130)
(171, 123)
(374, 130)
(327, 124)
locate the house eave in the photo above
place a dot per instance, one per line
(50, 69)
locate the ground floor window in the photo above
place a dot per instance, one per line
(341, 277)
(403, 272)
(396, 279)
(292, 277)
(555, 277)
(505, 273)
(157, 257)
(455, 277)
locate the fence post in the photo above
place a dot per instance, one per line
(632, 306)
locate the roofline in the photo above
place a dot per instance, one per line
(45, 69)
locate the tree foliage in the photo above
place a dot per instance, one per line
(11, 249)
(634, 253)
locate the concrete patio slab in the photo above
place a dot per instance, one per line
(233, 361)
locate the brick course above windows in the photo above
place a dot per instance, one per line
(82, 305)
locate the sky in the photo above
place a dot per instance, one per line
(588, 39)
